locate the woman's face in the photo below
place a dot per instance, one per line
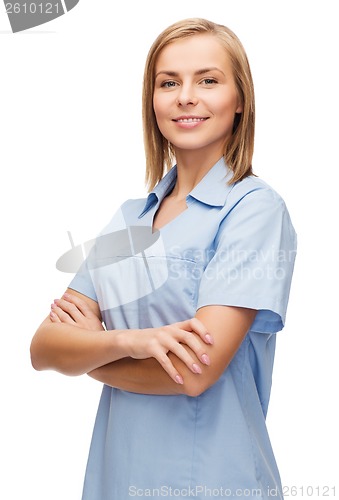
(195, 97)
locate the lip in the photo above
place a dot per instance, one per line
(189, 121)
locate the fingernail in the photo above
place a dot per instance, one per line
(209, 338)
(205, 359)
(53, 306)
(66, 295)
(178, 379)
(196, 368)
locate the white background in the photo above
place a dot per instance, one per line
(71, 152)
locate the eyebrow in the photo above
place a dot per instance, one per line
(198, 72)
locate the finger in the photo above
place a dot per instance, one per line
(194, 343)
(69, 308)
(182, 353)
(54, 317)
(171, 339)
(196, 326)
(191, 340)
(167, 365)
(63, 316)
(79, 303)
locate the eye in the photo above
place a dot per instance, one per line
(168, 84)
(209, 81)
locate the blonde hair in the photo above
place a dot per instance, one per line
(239, 149)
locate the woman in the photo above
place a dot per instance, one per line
(191, 285)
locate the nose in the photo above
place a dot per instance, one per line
(186, 96)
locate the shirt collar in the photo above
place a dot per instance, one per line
(213, 188)
(160, 191)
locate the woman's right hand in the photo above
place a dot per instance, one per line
(144, 343)
(159, 342)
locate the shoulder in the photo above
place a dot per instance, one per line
(126, 215)
(256, 216)
(254, 192)
(253, 205)
(133, 206)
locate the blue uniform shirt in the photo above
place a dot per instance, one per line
(234, 245)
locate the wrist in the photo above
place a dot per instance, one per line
(122, 343)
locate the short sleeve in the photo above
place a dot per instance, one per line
(82, 282)
(253, 261)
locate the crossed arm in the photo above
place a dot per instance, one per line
(182, 358)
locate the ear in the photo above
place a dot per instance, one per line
(237, 118)
(239, 108)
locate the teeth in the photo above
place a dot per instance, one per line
(190, 120)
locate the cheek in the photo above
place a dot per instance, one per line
(155, 106)
(159, 106)
(226, 106)
(224, 103)
(227, 116)
(161, 113)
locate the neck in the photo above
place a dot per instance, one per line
(191, 168)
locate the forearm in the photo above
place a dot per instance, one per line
(72, 350)
(228, 327)
(146, 376)
(61, 343)
(169, 359)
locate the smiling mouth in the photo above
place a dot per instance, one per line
(189, 120)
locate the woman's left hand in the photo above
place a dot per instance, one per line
(72, 310)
